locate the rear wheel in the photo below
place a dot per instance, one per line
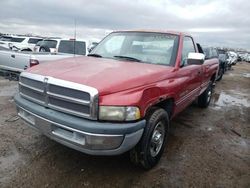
(220, 74)
(205, 98)
(149, 150)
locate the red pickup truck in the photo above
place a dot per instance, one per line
(120, 98)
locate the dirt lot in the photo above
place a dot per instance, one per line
(207, 147)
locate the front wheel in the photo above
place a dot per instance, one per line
(149, 150)
(205, 98)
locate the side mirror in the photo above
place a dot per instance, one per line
(195, 59)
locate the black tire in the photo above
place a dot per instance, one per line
(147, 152)
(44, 49)
(220, 74)
(205, 98)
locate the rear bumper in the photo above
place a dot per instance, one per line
(87, 136)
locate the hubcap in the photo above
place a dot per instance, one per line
(157, 139)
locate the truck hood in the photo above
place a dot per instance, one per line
(106, 75)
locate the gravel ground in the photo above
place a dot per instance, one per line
(207, 147)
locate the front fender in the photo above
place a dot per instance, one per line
(143, 98)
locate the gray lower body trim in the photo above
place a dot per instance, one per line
(119, 137)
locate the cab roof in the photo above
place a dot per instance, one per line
(153, 31)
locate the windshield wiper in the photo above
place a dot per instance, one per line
(94, 55)
(128, 58)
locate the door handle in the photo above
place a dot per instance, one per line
(13, 55)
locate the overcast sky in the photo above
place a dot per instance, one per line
(218, 23)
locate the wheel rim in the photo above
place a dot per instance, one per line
(157, 139)
(209, 94)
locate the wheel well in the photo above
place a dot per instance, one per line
(26, 49)
(167, 105)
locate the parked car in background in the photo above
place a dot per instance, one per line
(233, 58)
(248, 58)
(20, 61)
(20, 43)
(223, 57)
(49, 49)
(5, 38)
(4, 41)
(239, 56)
(16, 62)
(244, 56)
(45, 41)
(69, 46)
(212, 53)
(120, 98)
(37, 46)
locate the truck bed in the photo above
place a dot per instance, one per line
(20, 61)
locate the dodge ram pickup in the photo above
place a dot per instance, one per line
(121, 97)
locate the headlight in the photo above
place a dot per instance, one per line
(117, 113)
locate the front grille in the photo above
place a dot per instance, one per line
(64, 96)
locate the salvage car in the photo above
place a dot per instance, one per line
(233, 58)
(223, 57)
(122, 97)
(70, 46)
(212, 53)
(20, 43)
(247, 58)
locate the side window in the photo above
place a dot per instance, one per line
(188, 46)
(33, 40)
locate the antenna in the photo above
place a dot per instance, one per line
(75, 39)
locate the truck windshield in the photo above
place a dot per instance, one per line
(72, 47)
(146, 47)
